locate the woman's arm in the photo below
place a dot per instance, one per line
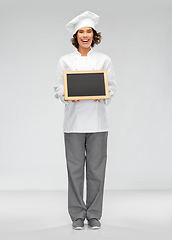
(111, 81)
(58, 83)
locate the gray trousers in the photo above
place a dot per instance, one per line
(88, 149)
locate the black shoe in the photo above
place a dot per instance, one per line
(78, 224)
(94, 223)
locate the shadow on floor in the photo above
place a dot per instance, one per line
(66, 233)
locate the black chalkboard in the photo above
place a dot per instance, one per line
(85, 85)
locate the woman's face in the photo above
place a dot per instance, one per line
(85, 37)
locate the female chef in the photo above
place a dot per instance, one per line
(85, 124)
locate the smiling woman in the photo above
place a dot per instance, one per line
(85, 121)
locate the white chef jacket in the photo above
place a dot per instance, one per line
(86, 116)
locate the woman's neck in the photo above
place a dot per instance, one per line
(84, 51)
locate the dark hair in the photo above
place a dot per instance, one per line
(96, 39)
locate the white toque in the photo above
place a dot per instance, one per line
(86, 19)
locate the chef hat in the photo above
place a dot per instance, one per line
(86, 19)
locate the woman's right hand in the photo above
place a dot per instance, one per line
(73, 100)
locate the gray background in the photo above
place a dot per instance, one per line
(137, 37)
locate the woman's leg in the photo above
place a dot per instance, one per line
(96, 156)
(75, 159)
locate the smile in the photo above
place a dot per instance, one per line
(85, 40)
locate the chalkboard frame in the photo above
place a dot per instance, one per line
(86, 73)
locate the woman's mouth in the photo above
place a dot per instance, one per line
(85, 40)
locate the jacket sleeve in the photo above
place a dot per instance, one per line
(111, 81)
(58, 83)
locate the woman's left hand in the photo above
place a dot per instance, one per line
(95, 100)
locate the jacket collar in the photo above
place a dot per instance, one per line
(88, 54)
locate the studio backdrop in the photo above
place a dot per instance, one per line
(137, 36)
